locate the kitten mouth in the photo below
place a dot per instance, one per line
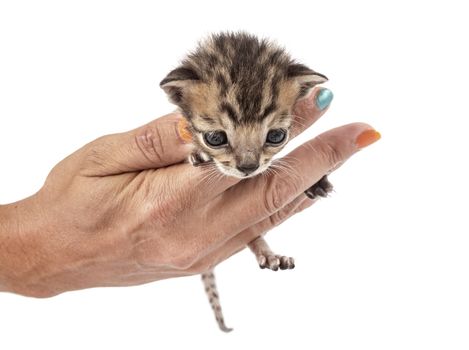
(233, 172)
(238, 174)
(245, 176)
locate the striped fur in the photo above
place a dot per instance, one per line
(208, 279)
(244, 86)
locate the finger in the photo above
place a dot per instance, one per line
(190, 186)
(154, 145)
(260, 197)
(309, 109)
(240, 241)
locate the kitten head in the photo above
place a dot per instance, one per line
(237, 92)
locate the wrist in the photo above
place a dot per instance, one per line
(19, 247)
(8, 232)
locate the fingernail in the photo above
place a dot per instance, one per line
(324, 98)
(367, 137)
(183, 131)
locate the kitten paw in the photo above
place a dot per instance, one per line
(274, 262)
(198, 158)
(320, 189)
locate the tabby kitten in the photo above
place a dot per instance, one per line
(237, 93)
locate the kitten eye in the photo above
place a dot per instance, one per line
(215, 138)
(276, 136)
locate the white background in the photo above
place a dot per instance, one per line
(383, 264)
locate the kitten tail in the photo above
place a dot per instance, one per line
(208, 279)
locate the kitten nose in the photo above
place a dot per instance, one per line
(247, 168)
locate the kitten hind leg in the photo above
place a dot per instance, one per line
(267, 258)
(208, 279)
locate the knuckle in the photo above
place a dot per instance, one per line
(200, 267)
(96, 155)
(146, 252)
(279, 190)
(273, 199)
(184, 261)
(283, 214)
(150, 143)
(328, 151)
(273, 220)
(154, 253)
(278, 217)
(185, 254)
(304, 206)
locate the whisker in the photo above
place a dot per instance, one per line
(284, 166)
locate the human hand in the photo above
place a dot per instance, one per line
(125, 209)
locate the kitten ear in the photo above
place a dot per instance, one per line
(177, 81)
(306, 77)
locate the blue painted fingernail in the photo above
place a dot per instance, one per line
(324, 98)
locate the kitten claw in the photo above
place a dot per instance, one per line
(275, 262)
(286, 263)
(262, 261)
(198, 159)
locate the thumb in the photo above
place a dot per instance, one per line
(158, 144)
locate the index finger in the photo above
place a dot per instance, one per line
(260, 197)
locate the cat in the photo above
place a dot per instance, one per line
(237, 92)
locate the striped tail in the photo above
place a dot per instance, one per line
(208, 278)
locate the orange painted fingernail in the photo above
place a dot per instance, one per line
(183, 131)
(367, 137)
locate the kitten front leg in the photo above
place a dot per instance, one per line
(267, 258)
(199, 158)
(320, 189)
